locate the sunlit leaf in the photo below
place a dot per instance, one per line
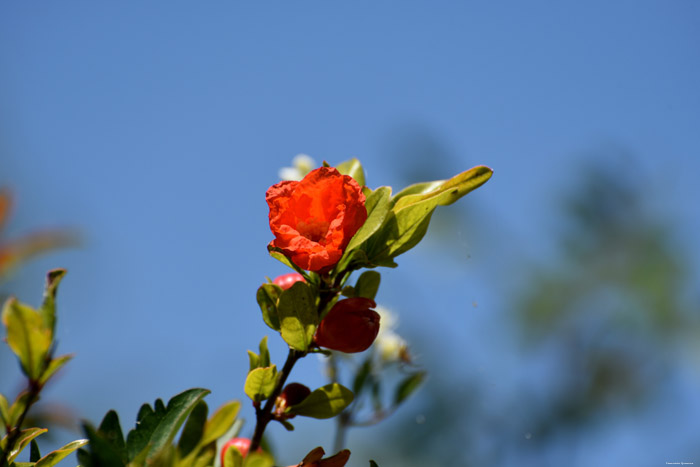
(221, 421)
(54, 365)
(56, 456)
(24, 438)
(354, 169)
(325, 402)
(298, 316)
(27, 336)
(378, 205)
(260, 383)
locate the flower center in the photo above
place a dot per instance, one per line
(314, 229)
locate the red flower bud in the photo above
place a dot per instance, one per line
(351, 326)
(287, 280)
(314, 219)
(242, 444)
(292, 394)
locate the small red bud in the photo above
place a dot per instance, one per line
(287, 280)
(292, 394)
(351, 326)
(242, 444)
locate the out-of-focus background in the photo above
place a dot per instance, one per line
(556, 308)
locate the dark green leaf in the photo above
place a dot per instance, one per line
(288, 426)
(17, 407)
(408, 386)
(193, 429)
(373, 464)
(325, 402)
(260, 383)
(157, 429)
(353, 168)
(100, 452)
(34, 453)
(368, 284)
(110, 429)
(298, 316)
(267, 297)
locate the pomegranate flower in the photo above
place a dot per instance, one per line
(314, 219)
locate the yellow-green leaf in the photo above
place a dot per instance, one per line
(298, 316)
(53, 366)
(27, 336)
(354, 169)
(23, 440)
(325, 402)
(260, 383)
(220, 422)
(56, 456)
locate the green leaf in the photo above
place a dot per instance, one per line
(408, 220)
(253, 360)
(222, 440)
(193, 429)
(4, 412)
(287, 426)
(361, 376)
(353, 168)
(298, 316)
(233, 457)
(48, 307)
(279, 256)
(264, 353)
(260, 383)
(34, 453)
(24, 438)
(221, 422)
(157, 428)
(378, 205)
(267, 297)
(56, 456)
(18, 407)
(258, 459)
(27, 336)
(408, 386)
(373, 464)
(325, 402)
(54, 365)
(111, 431)
(368, 284)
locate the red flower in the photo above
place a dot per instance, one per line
(350, 326)
(314, 219)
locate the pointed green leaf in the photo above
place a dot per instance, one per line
(4, 412)
(325, 402)
(193, 429)
(25, 437)
(378, 205)
(408, 220)
(353, 168)
(264, 353)
(56, 456)
(54, 365)
(221, 422)
(233, 457)
(34, 453)
(18, 407)
(368, 284)
(373, 464)
(48, 307)
(27, 336)
(298, 316)
(253, 360)
(260, 383)
(157, 428)
(267, 297)
(408, 386)
(111, 431)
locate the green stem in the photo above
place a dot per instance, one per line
(263, 415)
(33, 390)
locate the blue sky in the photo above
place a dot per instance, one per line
(155, 129)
